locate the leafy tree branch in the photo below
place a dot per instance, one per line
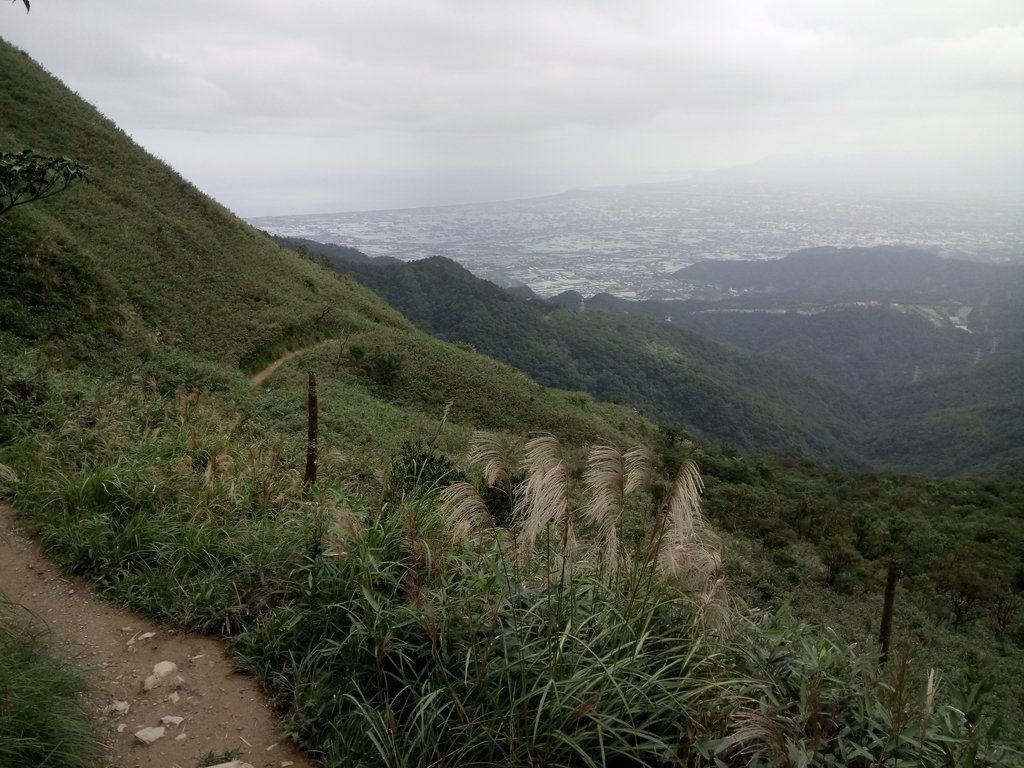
(26, 177)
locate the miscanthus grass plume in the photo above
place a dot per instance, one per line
(610, 477)
(688, 550)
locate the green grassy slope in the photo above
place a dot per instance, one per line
(193, 273)
(146, 271)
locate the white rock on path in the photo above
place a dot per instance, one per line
(171, 720)
(164, 668)
(232, 764)
(161, 670)
(149, 735)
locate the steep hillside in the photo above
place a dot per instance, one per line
(966, 421)
(902, 378)
(674, 376)
(137, 270)
(854, 346)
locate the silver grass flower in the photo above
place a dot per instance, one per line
(610, 476)
(688, 552)
(463, 509)
(639, 468)
(714, 605)
(494, 454)
(754, 725)
(543, 498)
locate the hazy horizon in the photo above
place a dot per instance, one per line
(275, 109)
(628, 240)
(765, 174)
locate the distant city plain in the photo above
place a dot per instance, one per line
(629, 240)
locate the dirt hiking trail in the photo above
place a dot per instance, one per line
(204, 704)
(259, 378)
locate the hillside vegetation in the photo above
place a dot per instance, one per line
(798, 525)
(853, 383)
(672, 375)
(932, 349)
(398, 623)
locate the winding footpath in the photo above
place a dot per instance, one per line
(260, 377)
(201, 703)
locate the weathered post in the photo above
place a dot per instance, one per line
(885, 631)
(311, 438)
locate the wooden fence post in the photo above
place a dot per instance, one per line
(311, 438)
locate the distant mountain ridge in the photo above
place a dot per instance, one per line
(336, 255)
(835, 272)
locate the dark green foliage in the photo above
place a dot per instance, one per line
(420, 469)
(936, 359)
(844, 564)
(382, 366)
(958, 544)
(857, 347)
(26, 177)
(822, 705)
(969, 420)
(500, 500)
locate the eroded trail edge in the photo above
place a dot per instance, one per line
(219, 709)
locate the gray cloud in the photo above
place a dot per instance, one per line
(276, 107)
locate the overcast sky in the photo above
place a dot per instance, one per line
(332, 105)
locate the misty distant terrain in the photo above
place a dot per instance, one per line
(629, 241)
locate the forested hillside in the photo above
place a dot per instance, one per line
(931, 348)
(405, 605)
(855, 383)
(672, 375)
